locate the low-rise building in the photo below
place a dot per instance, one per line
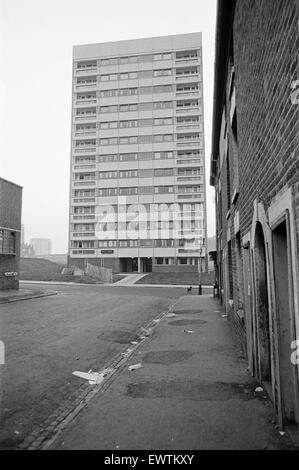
(10, 234)
(255, 172)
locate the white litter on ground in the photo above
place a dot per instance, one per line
(157, 320)
(259, 390)
(134, 343)
(127, 352)
(135, 367)
(147, 332)
(92, 377)
(170, 315)
(189, 331)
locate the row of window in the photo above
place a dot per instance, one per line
(145, 90)
(147, 106)
(138, 139)
(140, 74)
(133, 123)
(139, 190)
(132, 244)
(160, 243)
(146, 173)
(142, 156)
(183, 208)
(192, 54)
(167, 121)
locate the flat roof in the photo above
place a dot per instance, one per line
(138, 46)
(10, 182)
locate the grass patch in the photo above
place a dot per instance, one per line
(39, 269)
(186, 279)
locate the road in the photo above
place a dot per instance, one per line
(46, 339)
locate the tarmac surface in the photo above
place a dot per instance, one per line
(191, 390)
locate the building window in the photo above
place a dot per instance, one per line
(7, 242)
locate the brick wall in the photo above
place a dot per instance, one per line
(10, 217)
(266, 44)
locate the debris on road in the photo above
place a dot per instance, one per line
(134, 343)
(135, 366)
(127, 352)
(146, 331)
(190, 332)
(157, 320)
(282, 433)
(93, 377)
(224, 316)
(170, 315)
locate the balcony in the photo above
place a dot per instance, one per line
(182, 127)
(86, 85)
(184, 61)
(188, 109)
(188, 179)
(85, 117)
(83, 134)
(83, 217)
(86, 71)
(187, 77)
(82, 150)
(85, 102)
(84, 167)
(84, 183)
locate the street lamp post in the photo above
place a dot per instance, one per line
(199, 272)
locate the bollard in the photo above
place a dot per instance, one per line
(199, 289)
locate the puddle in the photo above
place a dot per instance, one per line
(193, 389)
(187, 312)
(187, 322)
(118, 336)
(166, 357)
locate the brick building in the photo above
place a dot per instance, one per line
(10, 234)
(254, 169)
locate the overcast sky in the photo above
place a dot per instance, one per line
(36, 39)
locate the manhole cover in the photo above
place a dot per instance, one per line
(166, 357)
(187, 312)
(118, 336)
(187, 322)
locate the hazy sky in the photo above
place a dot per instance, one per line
(36, 39)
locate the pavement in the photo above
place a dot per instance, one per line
(129, 279)
(128, 283)
(190, 390)
(13, 295)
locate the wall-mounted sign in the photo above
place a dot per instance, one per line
(107, 252)
(10, 274)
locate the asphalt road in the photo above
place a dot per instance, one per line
(46, 339)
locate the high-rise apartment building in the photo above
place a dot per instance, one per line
(41, 246)
(137, 193)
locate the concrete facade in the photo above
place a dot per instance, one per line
(10, 234)
(255, 169)
(137, 157)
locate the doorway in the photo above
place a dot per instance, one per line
(262, 307)
(285, 319)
